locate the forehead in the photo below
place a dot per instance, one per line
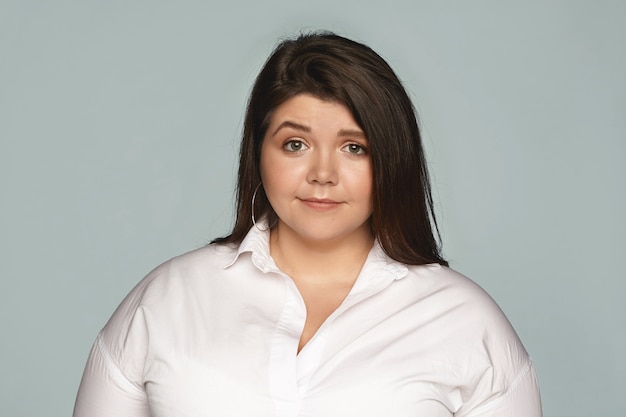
(309, 109)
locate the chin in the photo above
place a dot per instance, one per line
(321, 233)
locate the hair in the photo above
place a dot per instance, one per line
(338, 69)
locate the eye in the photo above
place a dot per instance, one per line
(294, 145)
(355, 149)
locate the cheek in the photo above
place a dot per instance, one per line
(279, 169)
(362, 182)
(368, 194)
(278, 175)
(267, 167)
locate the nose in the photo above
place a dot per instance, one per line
(322, 168)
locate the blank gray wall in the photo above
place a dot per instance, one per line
(119, 125)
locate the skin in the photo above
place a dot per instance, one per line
(317, 175)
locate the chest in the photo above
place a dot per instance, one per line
(349, 368)
(320, 303)
(199, 390)
(241, 356)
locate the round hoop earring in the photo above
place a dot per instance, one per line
(252, 211)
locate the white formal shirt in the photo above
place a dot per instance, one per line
(215, 332)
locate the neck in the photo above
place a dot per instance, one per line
(325, 262)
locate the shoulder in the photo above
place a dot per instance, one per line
(476, 338)
(452, 290)
(156, 298)
(202, 264)
(471, 324)
(198, 265)
(482, 349)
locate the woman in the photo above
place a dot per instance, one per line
(330, 297)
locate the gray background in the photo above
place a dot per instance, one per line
(119, 125)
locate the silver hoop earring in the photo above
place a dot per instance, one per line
(253, 200)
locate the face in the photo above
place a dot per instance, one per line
(317, 171)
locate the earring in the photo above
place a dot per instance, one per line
(253, 200)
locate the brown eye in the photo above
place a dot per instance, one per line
(294, 146)
(355, 149)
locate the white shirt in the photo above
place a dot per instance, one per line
(215, 332)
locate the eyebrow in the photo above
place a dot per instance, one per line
(292, 125)
(352, 133)
(297, 126)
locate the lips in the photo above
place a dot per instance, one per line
(320, 204)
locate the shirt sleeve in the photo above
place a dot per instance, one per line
(522, 399)
(113, 379)
(105, 391)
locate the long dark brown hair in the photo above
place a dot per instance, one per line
(332, 67)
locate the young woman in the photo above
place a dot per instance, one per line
(330, 297)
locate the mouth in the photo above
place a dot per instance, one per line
(320, 204)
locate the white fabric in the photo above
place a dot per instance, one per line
(215, 333)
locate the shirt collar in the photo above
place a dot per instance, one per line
(257, 242)
(377, 257)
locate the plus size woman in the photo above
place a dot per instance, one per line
(330, 297)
